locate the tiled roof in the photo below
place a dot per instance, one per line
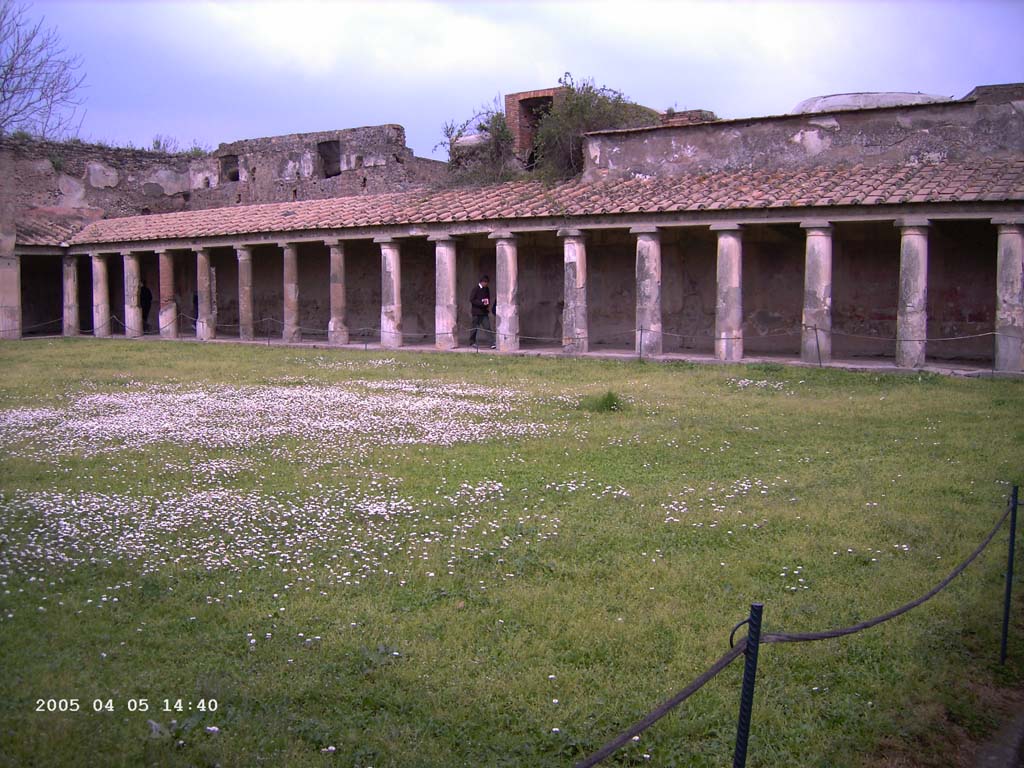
(987, 181)
(47, 230)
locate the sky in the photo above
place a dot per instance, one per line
(214, 72)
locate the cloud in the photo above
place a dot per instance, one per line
(223, 70)
(395, 41)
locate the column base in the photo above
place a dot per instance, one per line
(729, 350)
(910, 354)
(1008, 356)
(579, 346)
(649, 342)
(337, 332)
(168, 319)
(816, 346)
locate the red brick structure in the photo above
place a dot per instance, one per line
(522, 111)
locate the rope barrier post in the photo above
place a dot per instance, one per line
(739, 756)
(817, 344)
(1009, 574)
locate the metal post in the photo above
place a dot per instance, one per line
(1009, 574)
(739, 757)
(641, 343)
(817, 344)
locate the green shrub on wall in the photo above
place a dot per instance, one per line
(585, 107)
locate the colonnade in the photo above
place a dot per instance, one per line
(816, 335)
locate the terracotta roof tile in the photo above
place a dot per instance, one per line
(726, 190)
(52, 226)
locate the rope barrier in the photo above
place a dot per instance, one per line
(42, 325)
(789, 637)
(460, 328)
(804, 637)
(665, 707)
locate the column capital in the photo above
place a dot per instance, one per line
(503, 234)
(1009, 224)
(569, 233)
(444, 238)
(730, 226)
(644, 229)
(289, 244)
(823, 224)
(913, 222)
(385, 241)
(243, 251)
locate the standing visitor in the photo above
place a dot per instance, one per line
(480, 299)
(145, 302)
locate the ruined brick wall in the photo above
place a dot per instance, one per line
(991, 125)
(313, 166)
(93, 180)
(76, 183)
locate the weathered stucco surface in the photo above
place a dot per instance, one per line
(912, 134)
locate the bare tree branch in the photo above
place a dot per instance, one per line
(39, 79)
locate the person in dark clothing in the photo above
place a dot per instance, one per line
(145, 302)
(480, 299)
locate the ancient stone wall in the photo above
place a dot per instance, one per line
(312, 166)
(92, 181)
(992, 126)
(74, 183)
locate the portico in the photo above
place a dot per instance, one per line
(662, 286)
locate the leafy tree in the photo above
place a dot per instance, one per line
(480, 148)
(582, 107)
(39, 80)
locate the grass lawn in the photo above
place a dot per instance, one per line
(304, 557)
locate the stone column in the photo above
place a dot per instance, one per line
(132, 310)
(246, 331)
(575, 332)
(446, 306)
(816, 334)
(390, 292)
(1009, 294)
(506, 308)
(204, 323)
(729, 299)
(167, 314)
(911, 311)
(10, 295)
(291, 332)
(100, 297)
(72, 326)
(337, 328)
(648, 291)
